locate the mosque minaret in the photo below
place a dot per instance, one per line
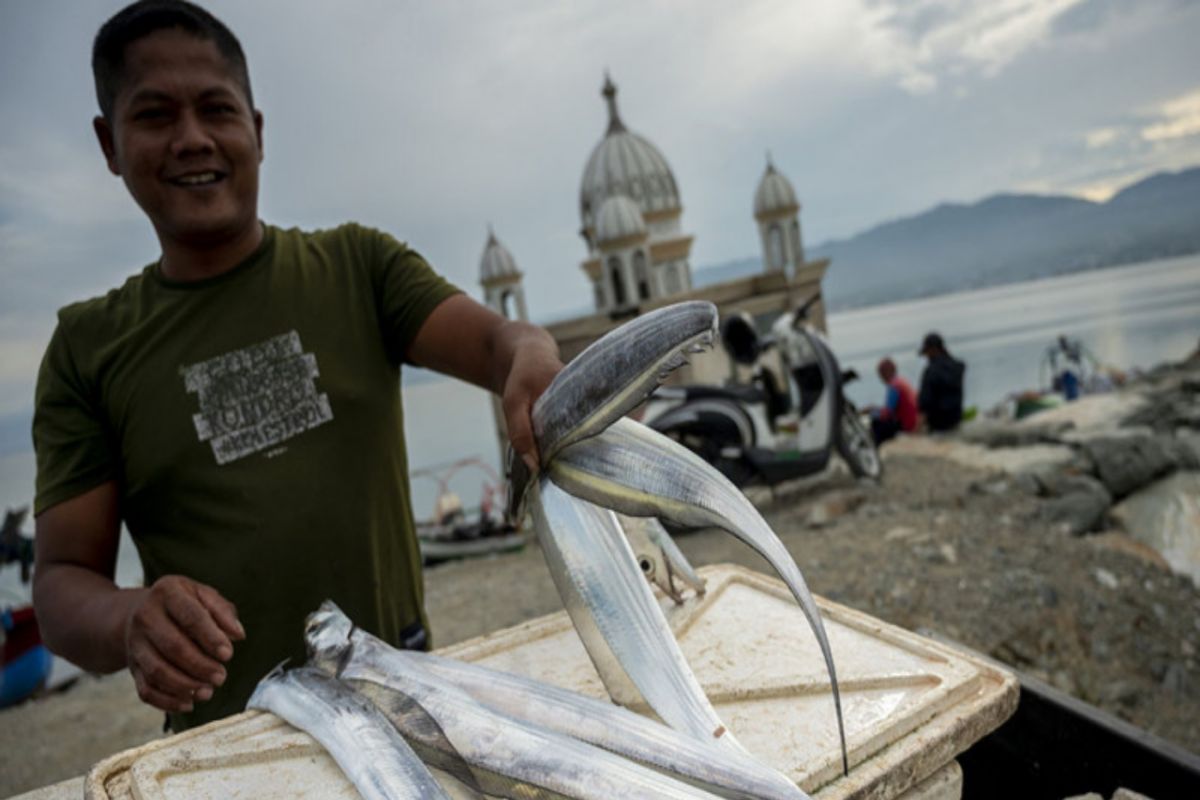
(501, 280)
(503, 293)
(630, 212)
(777, 212)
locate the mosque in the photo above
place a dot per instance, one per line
(631, 221)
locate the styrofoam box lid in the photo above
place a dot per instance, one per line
(910, 704)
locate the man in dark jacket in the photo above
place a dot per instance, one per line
(941, 397)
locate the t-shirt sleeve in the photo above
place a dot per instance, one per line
(407, 291)
(72, 443)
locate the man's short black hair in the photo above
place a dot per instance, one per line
(140, 19)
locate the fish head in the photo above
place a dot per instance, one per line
(327, 635)
(617, 372)
(649, 555)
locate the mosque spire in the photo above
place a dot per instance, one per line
(610, 95)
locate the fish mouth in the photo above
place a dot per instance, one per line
(327, 634)
(618, 371)
(611, 377)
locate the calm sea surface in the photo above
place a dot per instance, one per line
(1129, 317)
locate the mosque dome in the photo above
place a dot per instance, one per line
(774, 194)
(625, 163)
(497, 262)
(619, 218)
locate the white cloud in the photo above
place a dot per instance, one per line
(929, 41)
(1178, 118)
(1101, 137)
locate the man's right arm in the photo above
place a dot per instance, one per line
(172, 636)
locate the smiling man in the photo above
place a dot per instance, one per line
(236, 404)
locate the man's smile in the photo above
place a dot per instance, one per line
(189, 179)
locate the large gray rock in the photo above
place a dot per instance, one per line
(1077, 503)
(1185, 449)
(1166, 516)
(1038, 459)
(1176, 407)
(1126, 463)
(1091, 412)
(1001, 433)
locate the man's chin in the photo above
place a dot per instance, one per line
(205, 234)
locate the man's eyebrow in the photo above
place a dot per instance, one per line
(149, 96)
(217, 92)
(159, 96)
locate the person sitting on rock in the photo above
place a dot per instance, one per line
(940, 400)
(899, 409)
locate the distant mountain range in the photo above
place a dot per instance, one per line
(1002, 239)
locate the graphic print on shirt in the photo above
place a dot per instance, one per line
(256, 397)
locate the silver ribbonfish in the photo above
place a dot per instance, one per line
(506, 757)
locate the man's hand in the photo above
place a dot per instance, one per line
(535, 363)
(173, 636)
(176, 637)
(515, 360)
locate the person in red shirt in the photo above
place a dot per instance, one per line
(899, 410)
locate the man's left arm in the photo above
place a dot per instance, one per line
(515, 360)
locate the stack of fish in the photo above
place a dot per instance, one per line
(499, 735)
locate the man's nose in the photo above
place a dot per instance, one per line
(191, 136)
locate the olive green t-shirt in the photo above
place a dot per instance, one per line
(254, 425)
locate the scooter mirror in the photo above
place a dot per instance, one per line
(740, 338)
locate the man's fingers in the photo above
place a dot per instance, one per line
(161, 700)
(193, 617)
(520, 431)
(178, 649)
(161, 684)
(223, 611)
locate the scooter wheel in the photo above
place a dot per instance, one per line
(857, 446)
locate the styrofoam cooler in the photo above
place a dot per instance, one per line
(910, 704)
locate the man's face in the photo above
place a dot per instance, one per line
(185, 140)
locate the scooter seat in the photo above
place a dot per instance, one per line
(738, 394)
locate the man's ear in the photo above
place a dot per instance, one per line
(104, 136)
(258, 128)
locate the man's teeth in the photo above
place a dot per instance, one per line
(197, 179)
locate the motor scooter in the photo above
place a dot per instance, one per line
(762, 433)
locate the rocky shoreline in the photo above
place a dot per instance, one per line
(1021, 540)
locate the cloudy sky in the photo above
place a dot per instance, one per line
(432, 119)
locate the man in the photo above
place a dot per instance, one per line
(899, 410)
(1067, 359)
(237, 403)
(941, 398)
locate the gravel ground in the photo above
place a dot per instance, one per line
(1098, 616)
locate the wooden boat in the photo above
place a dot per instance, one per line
(452, 531)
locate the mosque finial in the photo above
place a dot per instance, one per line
(610, 95)
(770, 163)
(491, 235)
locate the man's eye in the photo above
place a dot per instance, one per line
(220, 108)
(150, 113)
